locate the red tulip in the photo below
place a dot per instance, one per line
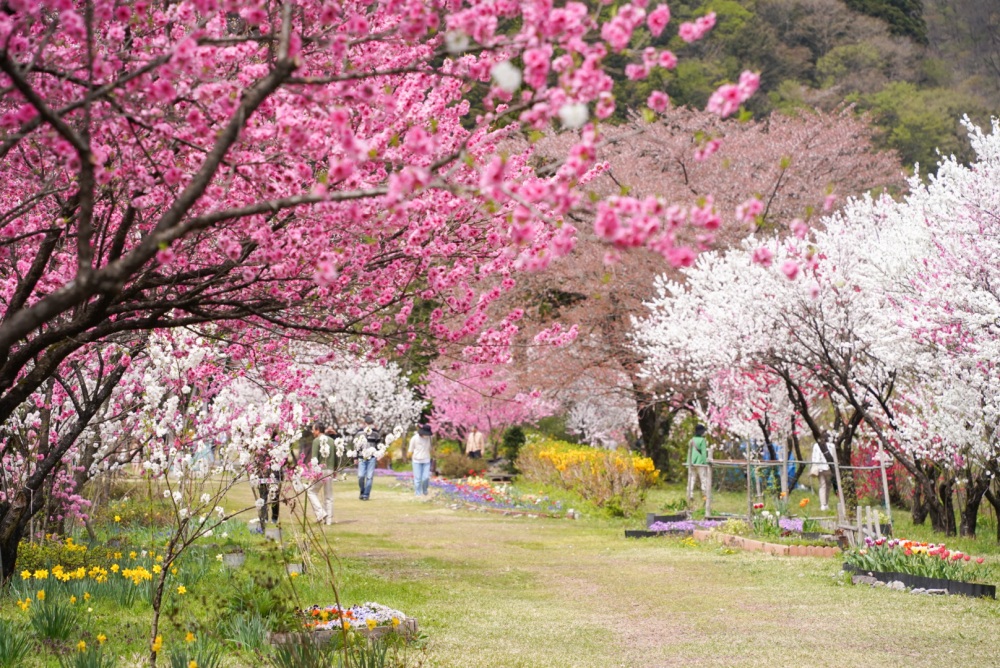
(979, 560)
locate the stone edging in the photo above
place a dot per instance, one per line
(778, 550)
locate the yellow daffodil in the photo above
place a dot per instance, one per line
(174, 570)
(114, 568)
(118, 518)
(347, 625)
(192, 664)
(25, 604)
(72, 600)
(81, 646)
(25, 575)
(86, 596)
(41, 574)
(182, 589)
(189, 637)
(395, 622)
(101, 638)
(131, 555)
(157, 569)
(158, 643)
(41, 595)
(371, 623)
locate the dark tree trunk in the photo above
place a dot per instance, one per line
(941, 508)
(995, 502)
(918, 507)
(970, 510)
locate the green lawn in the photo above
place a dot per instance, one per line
(491, 590)
(494, 590)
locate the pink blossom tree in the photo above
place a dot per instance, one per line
(484, 397)
(789, 165)
(306, 166)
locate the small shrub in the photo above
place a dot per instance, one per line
(306, 654)
(247, 632)
(54, 621)
(88, 657)
(49, 552)
(616, 480)
(457, 465)
(15, 644)
(372, 653)
(203, 651)
(513, 440)
(735, 527)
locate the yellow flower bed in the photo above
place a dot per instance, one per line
(616, 479)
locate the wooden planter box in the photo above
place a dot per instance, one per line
(777, 549)
(652, 518)
(408, 628)
(954, 587)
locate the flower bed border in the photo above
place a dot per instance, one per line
(643, 533)
(954, 587)
(777, 549)
(408, 628)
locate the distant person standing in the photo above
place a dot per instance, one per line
(697, 462)
(324, 451)
(420, 451)
(367, 456)
(475, 443)
(821, 469)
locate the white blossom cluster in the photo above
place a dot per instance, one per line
(891, 308)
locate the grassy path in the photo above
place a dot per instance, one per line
(493, 591)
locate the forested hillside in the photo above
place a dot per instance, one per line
(915, 67)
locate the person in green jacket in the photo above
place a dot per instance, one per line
(697, 462)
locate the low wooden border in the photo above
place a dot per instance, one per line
(777, 549)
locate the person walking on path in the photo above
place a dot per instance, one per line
(821, 469)
(697, 462)
(420, 452)
(324, 452)
(368, 450)
(475, 442)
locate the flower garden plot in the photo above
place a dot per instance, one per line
(323, 623)
(482, 493)
(923, 565)
(674, 528)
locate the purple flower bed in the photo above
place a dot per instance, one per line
(482, 493)
(686, 525)
(790, 524)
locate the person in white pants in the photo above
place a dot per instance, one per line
(322, 452)
(821, 469)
